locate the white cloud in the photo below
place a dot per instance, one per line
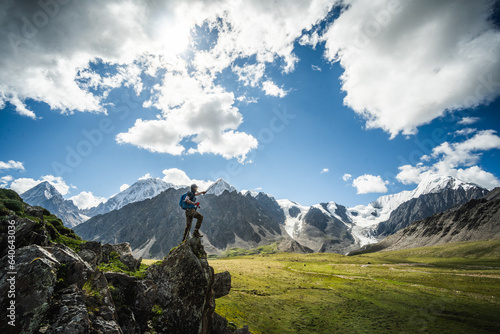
(466, 152)
(179, 178)
(457, 160)
(40, 60)
(370, 184)
(346, 177)
(145, 177)
(205, 116)
(247, 100)
(124, 187)
(270, 88)
(5, 180)
(465, 132)
(411, 174)
(407, 63)
(86, 200)
(21, 185)
(266, 30)
(11, 164)
(324, 170)
(468, 120)
(250, 74)
(58, 49)
(316, 68)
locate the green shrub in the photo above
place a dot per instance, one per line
(14, 205)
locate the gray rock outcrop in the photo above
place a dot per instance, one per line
(61, 291)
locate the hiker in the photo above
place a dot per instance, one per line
(191, 206)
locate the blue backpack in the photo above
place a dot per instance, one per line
(184, 205)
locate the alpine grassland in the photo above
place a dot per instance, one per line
(452, 288)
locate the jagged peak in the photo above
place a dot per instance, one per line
(434, 183)
(219, 186)
(48, 189)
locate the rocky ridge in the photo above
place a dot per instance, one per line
(101, 288)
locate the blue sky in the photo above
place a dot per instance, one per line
(312, 102)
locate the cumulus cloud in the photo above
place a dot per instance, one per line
(270, 88)
(251, 74)
(145, 177)
(468, 120)
(205, 116)
(58, 41)
(124, 187)
(5, 180)
(408, 62)
(465, 132)
(179, 178)
(324, 170)
(21, 185)
(86, 200)
(346, 177)
(11, 164)
(457, 159)
(370, 184)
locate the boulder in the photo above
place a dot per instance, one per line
(133, 299)
(222, 284)
(27, 233)
(91, 252)
(69, 313)
(73, 269)
(185, 297)
(124, 254)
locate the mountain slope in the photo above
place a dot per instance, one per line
(478, 219)
(396, 211)
(154, 226)
(322, 227)
(140, 190)
(425, 206)
(46, 195)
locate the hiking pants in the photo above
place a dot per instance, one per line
(190, 214)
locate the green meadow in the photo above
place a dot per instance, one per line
(452, 288)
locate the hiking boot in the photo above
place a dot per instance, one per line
(197, 234)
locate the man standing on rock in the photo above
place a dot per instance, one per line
(191, 206)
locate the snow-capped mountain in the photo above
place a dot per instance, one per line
(219, 186)
(322, 227)
(368, 223)
(366, 218)
(139, 191)
(249, 219)
(46, 195)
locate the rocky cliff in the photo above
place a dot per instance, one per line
(50, 287)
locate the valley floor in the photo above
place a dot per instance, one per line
(452, 288)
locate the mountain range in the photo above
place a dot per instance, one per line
(478, 219)
(148, 216)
